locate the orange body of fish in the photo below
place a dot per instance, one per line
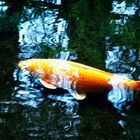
(77, 78)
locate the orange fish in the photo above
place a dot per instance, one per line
(77, 78)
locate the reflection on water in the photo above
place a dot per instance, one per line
(60, 116)
(45, 29)
(25, 93)
(120, 96)
(66, 119)
(124, 8)
(120, 59)
(26, 112)
(3, 8)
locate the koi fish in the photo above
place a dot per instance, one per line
(77, 78)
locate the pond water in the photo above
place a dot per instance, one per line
(102, 34)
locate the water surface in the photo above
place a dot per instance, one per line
(104, 35)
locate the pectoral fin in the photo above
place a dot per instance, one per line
(78, 96)
(47, 85)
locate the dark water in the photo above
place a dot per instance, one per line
(102, 34)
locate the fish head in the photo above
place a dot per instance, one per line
(41, 69)
(33, 66)
(26, 65)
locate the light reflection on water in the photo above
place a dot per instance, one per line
(66, 119)
(46, 29)
(25, 92)
(121, 60)
(61, 110)
(3, 8)
(120, 96)
(52, 31)
(124, 8)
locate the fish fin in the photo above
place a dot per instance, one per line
(77, 95)
(47, 85)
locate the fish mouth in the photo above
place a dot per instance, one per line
(23, 65)
(22, 68)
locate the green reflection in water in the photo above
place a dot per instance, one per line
(126, 32)
(87, 28)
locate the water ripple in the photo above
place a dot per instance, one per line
(123, 8)
(119, 59)
(45, 29)
(120, 96)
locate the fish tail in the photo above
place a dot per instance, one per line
(137, 85)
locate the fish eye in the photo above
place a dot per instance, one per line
(23, 69)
